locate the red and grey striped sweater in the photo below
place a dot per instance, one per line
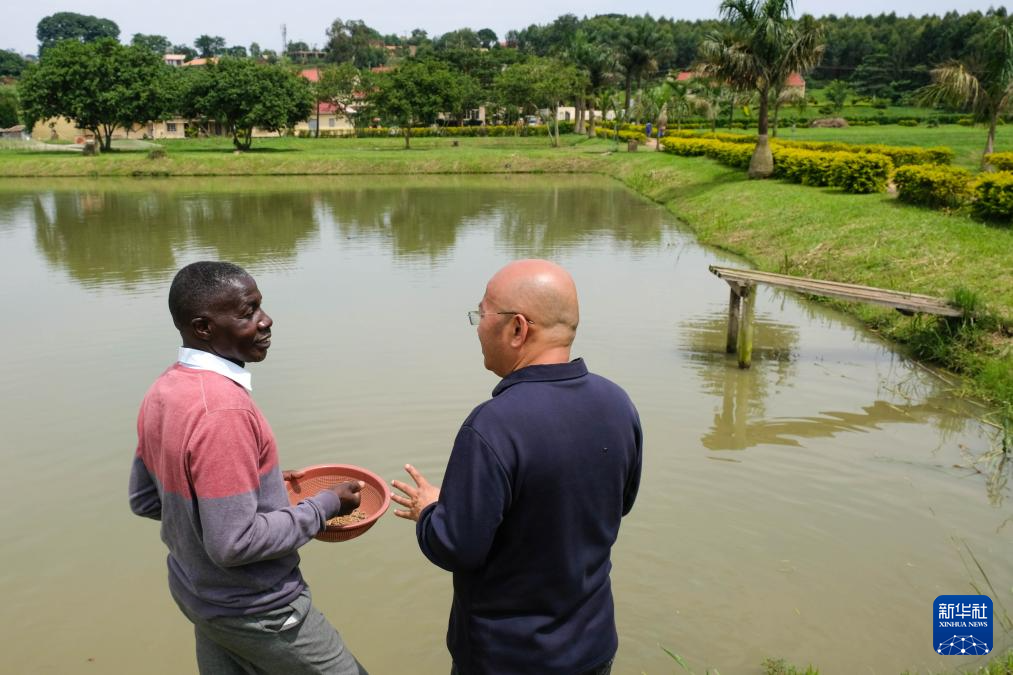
(207, 467)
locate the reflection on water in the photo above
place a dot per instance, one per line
(862, 489)
(106, 236)
(110, 234)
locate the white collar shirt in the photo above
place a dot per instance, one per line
(195, 358)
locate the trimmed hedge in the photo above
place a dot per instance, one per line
(852, 172)
(899, 155)
(626, 135)
(933, 186)
(993, 197)
(1001, 160)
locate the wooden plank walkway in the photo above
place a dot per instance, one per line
(742, 298)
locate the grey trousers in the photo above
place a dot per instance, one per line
(293, 640)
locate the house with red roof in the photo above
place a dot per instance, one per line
(332, 118)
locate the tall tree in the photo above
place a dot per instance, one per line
(99, 85)
(156, 44)
(209, 45)
(488, 38)
(639, 46)
(464, 38)
(761, 46)
(72, 26)
(414, 93)
(8, 107)
(242, 94)
(983, 84)
(11, 63)
(597, 63)
(356, 42)
(540, 84)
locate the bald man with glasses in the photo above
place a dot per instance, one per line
(538, 480)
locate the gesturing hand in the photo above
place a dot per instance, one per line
(417, 498)
(348, 493)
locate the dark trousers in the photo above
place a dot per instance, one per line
(604, 669)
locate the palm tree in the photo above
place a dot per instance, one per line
(761, 47)
(597, 62)
(984, 84)
(641, 42)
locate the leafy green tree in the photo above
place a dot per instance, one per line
(99, 85)
(639, 46)
(413, 94)
(837, 93)
(418, 37)
(335, 84)
(596, 62)
(760, 46)
(356, 42)
(72, 26)
(488, 38)
(188, 52)
(983, 85)
(539, 84)
(156, 44)
(11, 63)
(8, 107)
(209, 45)
(236, 52)
(465, 38)
(678, 99)
(255, 51)
(242, 94)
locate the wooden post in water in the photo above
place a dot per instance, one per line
(748, 294)
(734, 312)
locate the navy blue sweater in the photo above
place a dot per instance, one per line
(537, 482)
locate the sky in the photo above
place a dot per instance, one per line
(241, 23)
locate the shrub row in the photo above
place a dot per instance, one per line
(1001, 160)
(899, 155)
(736, 155)
(852, 172)
(624, 134)
(990, 195)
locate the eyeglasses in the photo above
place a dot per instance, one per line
(475, 316)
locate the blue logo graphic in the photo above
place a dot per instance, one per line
(962, 625)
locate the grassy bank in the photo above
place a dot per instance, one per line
(325, 156)
(780, 227)
(864, 239)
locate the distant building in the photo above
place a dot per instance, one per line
(333, 118)
(174, 60)
(17, 132)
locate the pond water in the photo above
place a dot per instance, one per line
(810, 508)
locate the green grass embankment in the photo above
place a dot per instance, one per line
(779, 227)
(865, 239)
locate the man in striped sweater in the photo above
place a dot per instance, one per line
(207, 467)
